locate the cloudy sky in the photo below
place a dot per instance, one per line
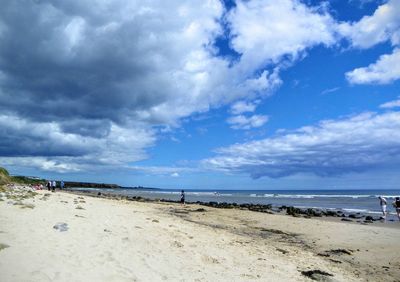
(210, 94)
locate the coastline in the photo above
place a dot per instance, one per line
(307, 212)
(114, 239)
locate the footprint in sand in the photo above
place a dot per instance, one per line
(209, 259)
(177, 244)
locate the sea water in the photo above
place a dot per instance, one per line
(363, 201)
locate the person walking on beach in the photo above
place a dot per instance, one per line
(396, 205)
(62, 184)
(48, 185)
(383, 206)
(182, 197)
(53, 186)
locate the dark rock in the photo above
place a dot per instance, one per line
(356, 216)
(323, 255)
(200, 210)
(282, 251)
(68, 184)
(293, 211)
(316, 274)
(368, 217)
(61, 226)
(346, 219)
(341, 251)
(213, 204)
(330, 213)
(335, 261)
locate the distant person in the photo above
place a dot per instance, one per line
(383, 206)
(53, 186)
(182, 197)
(48, 185)
(62, 184)
(396, 205)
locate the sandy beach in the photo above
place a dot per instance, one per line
(66, 237)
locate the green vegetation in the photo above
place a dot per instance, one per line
(5, 178)
(21, 196)
(27, 206)
(26, 180)
(4, 171)
(3, 246)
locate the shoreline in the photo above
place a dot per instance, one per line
(65, 236)
(343, 215)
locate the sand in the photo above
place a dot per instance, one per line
(101, 239)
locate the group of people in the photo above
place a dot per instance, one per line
(52, 184)
(396, 205)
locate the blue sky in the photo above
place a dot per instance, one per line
(203, 94)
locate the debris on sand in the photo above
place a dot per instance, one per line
(61, 226)
(317, 275)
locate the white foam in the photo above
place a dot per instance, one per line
(305, 196)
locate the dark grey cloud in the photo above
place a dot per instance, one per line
(46, 145)
(58, 63)
(20, 138)
(88, 80)
(75, 75)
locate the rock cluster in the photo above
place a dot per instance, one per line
(289, 210)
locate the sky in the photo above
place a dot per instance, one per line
(202, 94)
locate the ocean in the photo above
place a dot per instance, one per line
(351, 201)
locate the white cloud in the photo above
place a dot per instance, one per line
(384, 71)
(263, 35)
(60, 165)
(161, 170)
(175, 174)
(330, 90)
(243, 122)
(46, 146)
(391, 104)
(333, 147)
(383, 25)
(242, 107)
(112, 70)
